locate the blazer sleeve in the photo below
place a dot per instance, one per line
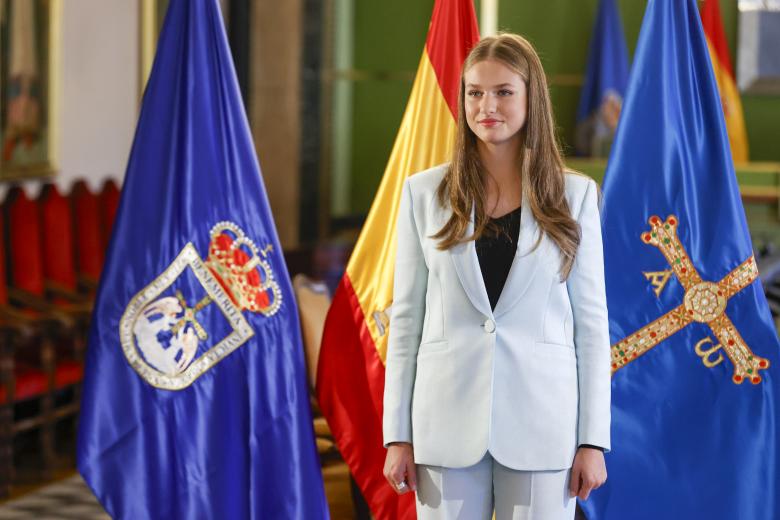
(587, 294)
(406, 321)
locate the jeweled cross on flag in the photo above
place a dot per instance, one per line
(195, 402)
(351, 374)
(695, 351)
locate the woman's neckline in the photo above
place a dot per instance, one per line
(518, 208)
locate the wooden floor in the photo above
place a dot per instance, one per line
(69, 498)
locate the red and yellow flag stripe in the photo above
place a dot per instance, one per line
(724, 74)
(351, 373)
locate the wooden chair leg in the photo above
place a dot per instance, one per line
(6, 416)
(6, 449)
(80, 347)
(47, 409)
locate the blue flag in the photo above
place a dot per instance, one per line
(695, 352)
(195, 402)
(606, 77)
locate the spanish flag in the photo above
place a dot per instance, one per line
(724, 75)
(351, 370)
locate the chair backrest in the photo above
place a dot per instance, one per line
(59, 264)
(313, 303)
(25, 250)
(109, 203)
(89, 251)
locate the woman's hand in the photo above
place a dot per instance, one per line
(587, 473)
(399, 467)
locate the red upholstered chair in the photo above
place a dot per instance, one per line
(25, 249)
(28, 246)
(40, 244)
(59, 254)
(55, 314)
(25, 379)
(60, 280)
(109, 204)
(27, 373)
(89, 246)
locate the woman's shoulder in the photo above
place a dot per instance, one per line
(577, 183)
(427, 181)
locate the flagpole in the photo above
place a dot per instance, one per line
(488, 17)
(149, 30)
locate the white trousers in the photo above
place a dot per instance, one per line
(473, 493)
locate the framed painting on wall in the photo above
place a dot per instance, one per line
(26, 100)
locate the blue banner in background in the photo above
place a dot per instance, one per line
(195, 402)
(695, 351)
(606, 77)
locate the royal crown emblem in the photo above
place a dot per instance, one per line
(171, 339)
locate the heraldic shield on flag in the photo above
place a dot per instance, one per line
(160, 332)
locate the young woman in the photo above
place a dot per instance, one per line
(497, 390)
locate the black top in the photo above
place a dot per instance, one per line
(496, 252)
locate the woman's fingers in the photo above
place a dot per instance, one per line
(585, 488)
(399, 468)
(584, 484)
(588, 472)
(392, 479)
(411, 474)
(399, 478)
(574, 480)
(399, 482)
(394, 475)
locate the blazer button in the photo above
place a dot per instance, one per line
(489, 326)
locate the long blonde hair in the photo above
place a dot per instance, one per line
(541, 166)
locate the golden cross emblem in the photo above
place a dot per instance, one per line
(704, 302)
(189, 316)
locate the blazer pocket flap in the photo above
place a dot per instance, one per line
(557, 350)
(427, 347)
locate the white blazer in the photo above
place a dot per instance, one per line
(528, 381)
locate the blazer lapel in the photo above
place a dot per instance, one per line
(525, 263)
(464, 256)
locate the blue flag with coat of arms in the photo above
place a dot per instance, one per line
(694, 350)
(195, 402)
(606, 78)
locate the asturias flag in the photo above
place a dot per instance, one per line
(724, 75)
(351, 373)
(606, 78)
(195, 402)
(695, 354)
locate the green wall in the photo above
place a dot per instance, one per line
(561, 34)
(389, 37)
